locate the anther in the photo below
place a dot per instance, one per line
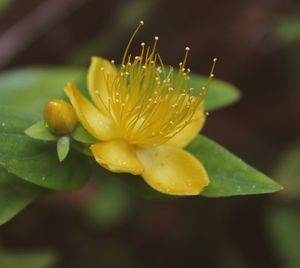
(142, 22)
(142, 44)
(187, 48)
(102, 68)
(156, 38)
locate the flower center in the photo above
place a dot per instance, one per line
(149, 102)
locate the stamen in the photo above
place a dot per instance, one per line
(130, 41)
(148, 102)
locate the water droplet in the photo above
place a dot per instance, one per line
(3, 124)
(238, 188)
(43, 178)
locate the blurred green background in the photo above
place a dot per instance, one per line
(106, 224)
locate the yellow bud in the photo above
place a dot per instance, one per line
(60, 117)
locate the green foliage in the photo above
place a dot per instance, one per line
(228, 174)
(15, 194)
(30, 89)
(35, 259)
(36, 161)
(40, 131)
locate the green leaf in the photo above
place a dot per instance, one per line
(15, 195)
(63, 147)
(34, 259)
(30, 89)
(81, 135)
(37, 161)
(40, 131)
(228, 174)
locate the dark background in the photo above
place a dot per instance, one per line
(256, 52)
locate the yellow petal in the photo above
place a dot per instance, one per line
(117, 156)
(185, 136)
(171, 170)
(101, 75)
(98, 125)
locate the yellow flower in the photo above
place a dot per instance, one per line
(143, 115)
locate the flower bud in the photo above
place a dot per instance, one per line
(60, 117)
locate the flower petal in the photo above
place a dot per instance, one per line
(117, 156)
(185, 136)
(171, 170)
(97, 124)
(101, 75)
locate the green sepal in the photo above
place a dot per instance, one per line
(63, 147)
(40, 131)
(81, 135)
